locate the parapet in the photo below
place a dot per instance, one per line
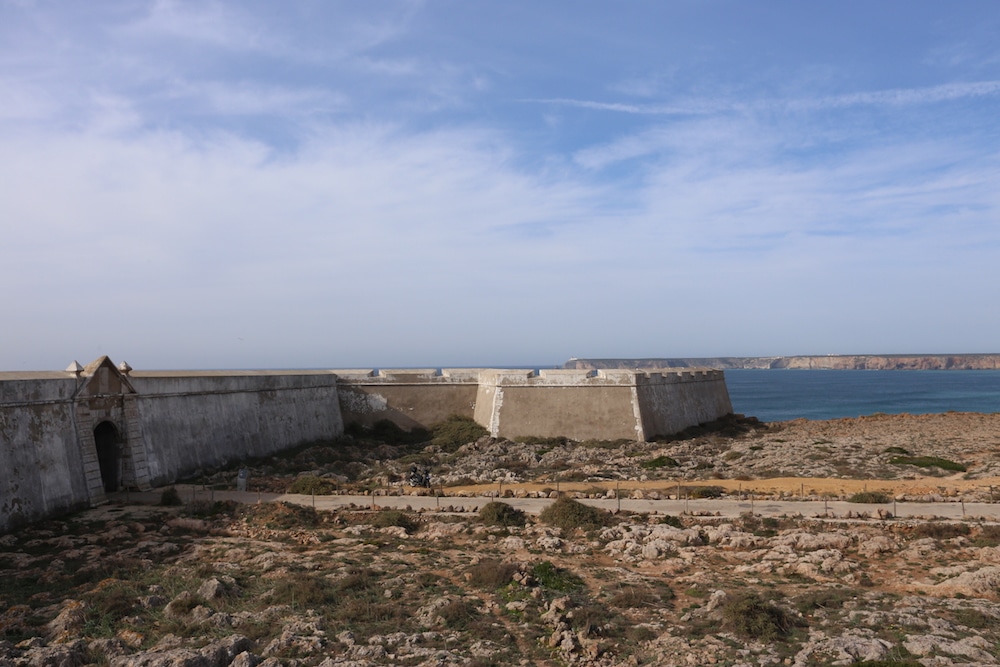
(402, 376)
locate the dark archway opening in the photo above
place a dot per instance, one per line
(108, 455)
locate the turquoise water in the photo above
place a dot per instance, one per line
(780, 395)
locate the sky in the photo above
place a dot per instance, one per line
(335, 184)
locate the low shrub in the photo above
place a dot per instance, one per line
(940, 530)
(897, 450)
(974, 618)
(556, 578)
(280, 516)
(671, 520)
(752, 617)
(457, 614)
(988, 536)
(639, 634)
(456, 431)
(301, 590)
(170, 496)
(490, 574)
(705, 491)
(312, 485)
(111, 601)
(627, 596)
(387, 518)
(928, 462)
(551, 441)
(870, 497)
(501, 514)
(659, 462)
(206, 509)
(568, 514)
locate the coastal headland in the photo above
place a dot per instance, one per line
(854, 362)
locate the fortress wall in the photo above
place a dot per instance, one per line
(39, 455)
(670, 402)
(202, 420)
(409, 398)
(577, 404)
(170, 424)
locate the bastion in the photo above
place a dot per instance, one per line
(68, 438)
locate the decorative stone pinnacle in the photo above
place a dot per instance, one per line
(74, 368)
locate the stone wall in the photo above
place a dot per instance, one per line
(40, 460)
(202, 420)
(68, 438)
(409, 398)
(577, 404)
(671, 401)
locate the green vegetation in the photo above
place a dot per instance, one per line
(312, 485)
(897, 450)
(928, 462)
(556, 579)
(281, 516)
(987, 536)
(456, 431)
(491, 574)
(550, 441)
(871, 497)
(637, 596)
(387, 518)
(659, 462)
(750, 616)
(501, 514)
(704, 491)
(940, 530)
(825, 598)
(302, 590)
(568, 515)
(729, 426)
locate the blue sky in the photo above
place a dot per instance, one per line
(341, 184)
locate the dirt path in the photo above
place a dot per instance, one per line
(725, 507)
(794, 486)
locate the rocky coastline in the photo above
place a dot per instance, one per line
(871, 362)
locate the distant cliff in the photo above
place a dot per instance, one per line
(859, 362)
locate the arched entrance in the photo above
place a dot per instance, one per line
(107, 440)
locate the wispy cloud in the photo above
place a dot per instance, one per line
(695, 107)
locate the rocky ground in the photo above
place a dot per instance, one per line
(211, 583)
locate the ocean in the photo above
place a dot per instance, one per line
(780, 395)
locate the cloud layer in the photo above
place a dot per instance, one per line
(203, 185)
